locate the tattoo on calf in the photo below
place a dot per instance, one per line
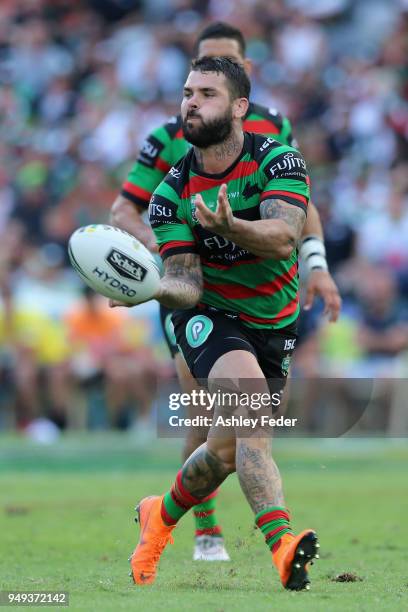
(203, 472)
(294, 216)
(258, 475)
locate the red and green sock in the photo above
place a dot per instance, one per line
(205, 518)
(274, 522)
(177, 502)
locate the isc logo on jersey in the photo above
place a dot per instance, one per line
(266, 144)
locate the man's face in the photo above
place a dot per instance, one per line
(206, 109)
(221, 47)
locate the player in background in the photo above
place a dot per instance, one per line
(161, 150)
(230, 262)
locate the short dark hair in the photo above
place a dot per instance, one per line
(222, 30)
(238, 82)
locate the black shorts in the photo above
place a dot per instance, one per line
(206, 334)
(168, 330)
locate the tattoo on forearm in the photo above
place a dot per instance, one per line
(294, 216)
(203, 472)
(182, 284)
(258, 474)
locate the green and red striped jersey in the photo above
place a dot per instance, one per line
(263, 292)
(166, 145)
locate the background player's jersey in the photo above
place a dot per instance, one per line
(263, 291)
(163, 148)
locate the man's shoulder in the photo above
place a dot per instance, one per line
(178, 175)
(173, 127)
(268, 113)
(260, 146)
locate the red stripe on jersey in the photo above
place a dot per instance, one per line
(179, 133)
(162, 165)
(137, 191)
(285, 312)
(197, 184)
(295, 196)
(211, 264)
(232, 291)
(174, 244)
(260, 127)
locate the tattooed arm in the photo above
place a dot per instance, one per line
(274, 236)
(182, 283)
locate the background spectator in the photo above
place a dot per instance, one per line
(83, 82)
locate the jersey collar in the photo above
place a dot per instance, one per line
(221, 175)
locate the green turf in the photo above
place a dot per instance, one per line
(71, 529)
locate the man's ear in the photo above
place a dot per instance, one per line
(240, 108)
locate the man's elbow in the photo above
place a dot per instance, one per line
(116, 213)
(287, 243)
(121, 212)
(193, 300)
(285, 251)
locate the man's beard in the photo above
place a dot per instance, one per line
(207, 133)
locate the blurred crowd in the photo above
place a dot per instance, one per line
(84, 81)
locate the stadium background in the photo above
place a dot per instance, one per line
(82, 83)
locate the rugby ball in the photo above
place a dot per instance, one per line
(114, 263)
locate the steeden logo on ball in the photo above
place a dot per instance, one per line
(125, 266)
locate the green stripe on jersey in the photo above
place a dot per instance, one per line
(262, 291)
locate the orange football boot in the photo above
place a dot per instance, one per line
(154, 536)
(293, 557)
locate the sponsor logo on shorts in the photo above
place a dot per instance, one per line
(126, 266)
(285, 365)
(290, 344)
(198, 329)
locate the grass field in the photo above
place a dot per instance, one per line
(66, 524)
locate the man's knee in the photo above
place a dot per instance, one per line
(224, 450)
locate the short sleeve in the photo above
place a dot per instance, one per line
(173, 234)
(286, 176)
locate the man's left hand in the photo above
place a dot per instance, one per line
(222, 220)
(320, 283)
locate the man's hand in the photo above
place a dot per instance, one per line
(114, 303)
(320, 283)
(222, 220)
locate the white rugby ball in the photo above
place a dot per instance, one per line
(114, 263)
